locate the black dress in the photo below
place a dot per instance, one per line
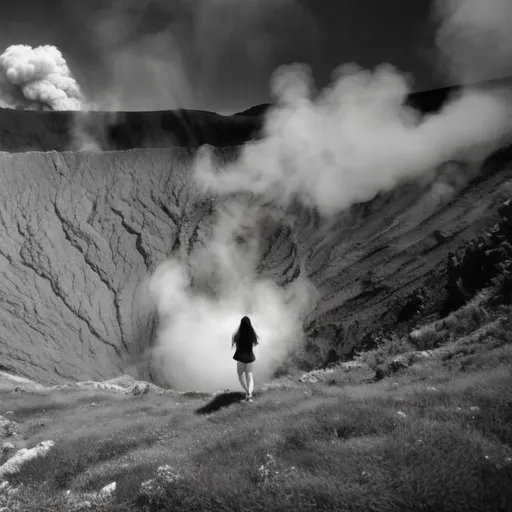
(243, 354)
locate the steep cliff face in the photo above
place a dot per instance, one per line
(395, 244)
(81, 232)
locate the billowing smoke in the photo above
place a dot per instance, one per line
(194, 350)
(355, 139)
(38, 78)
(474, 39)
(200, 305)
(327, 151)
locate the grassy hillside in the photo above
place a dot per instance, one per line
(434, 436)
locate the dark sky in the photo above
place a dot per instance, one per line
(219, 54)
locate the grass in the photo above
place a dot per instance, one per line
(386, 347)
(459, 323)
(434, 437)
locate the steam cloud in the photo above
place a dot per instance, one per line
(355, 139)
(474, 38)
(200, 304)
(328, 151)
(38, 78)
(195, 331)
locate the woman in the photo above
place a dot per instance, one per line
(245, 339)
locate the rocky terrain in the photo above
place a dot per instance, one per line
(80, 232)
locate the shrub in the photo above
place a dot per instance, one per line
(386, 347)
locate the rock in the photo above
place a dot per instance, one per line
(399, 363)
(13, 491)
(439, 236)
(13, 465)
(352, 365)
(309, 378)
(401, 414)
(82, 501)
(108, 491)
(7, 447)
(92, 386)
(125, 381)
(315, 376)
(421, 355)
(7, 428)
(381, 372)
(138, 390)
(9, 413)
(475, 409)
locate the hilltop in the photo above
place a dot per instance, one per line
(23, 130)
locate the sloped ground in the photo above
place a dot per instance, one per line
(80, 233)
(434, 436)
(366, 268)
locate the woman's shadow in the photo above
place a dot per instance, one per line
(220, 401)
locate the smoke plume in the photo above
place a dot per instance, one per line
(355, 139)
(38, 78)
(200, 305)
(474, 39)
(326, 150)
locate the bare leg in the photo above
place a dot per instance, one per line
(250, 380)
(240, 368)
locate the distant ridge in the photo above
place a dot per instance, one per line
(429, 100)
(23, 130)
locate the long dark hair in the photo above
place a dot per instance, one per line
(245, 337)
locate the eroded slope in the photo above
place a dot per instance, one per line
(80, 232)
